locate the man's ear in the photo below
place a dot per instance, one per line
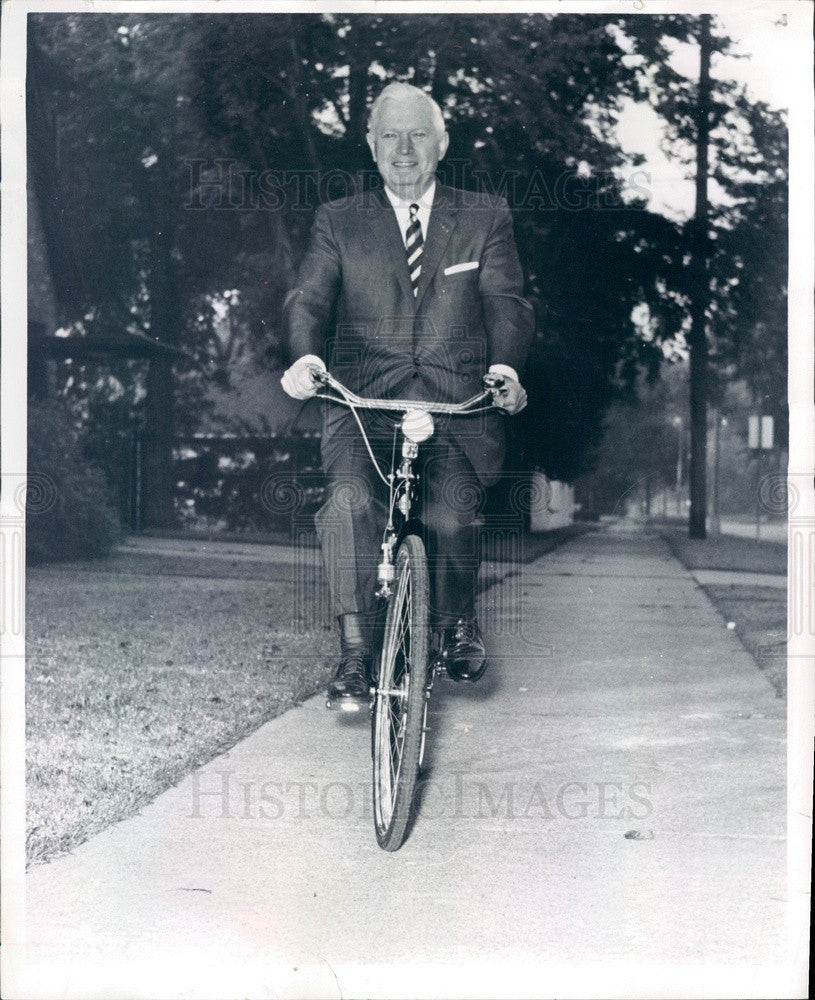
(371, 145)
(444, 142)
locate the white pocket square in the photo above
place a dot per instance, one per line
(469, 265)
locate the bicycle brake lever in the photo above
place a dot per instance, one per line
(494, 384)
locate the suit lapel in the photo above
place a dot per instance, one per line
(442, 223)
(389, 241)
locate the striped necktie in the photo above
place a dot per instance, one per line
(413, 247)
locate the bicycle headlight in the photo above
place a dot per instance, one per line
(417, 426)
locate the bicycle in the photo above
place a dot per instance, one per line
(403, 667)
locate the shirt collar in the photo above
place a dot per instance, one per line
(426, 200)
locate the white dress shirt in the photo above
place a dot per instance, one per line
(402, 209)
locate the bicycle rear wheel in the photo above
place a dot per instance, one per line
(401, 695)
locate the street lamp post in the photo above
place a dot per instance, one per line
(715, 522)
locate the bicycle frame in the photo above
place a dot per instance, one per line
(403, 664)
(401, 480)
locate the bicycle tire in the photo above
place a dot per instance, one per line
(401, 695)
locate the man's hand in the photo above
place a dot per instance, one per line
(297, 380)
(512, 397)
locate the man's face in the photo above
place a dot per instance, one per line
(406, 146)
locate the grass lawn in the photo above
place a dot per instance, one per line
(759, 613)
(134, 680)
(727, 552)
(760, 616)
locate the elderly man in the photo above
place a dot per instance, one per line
(414, 291)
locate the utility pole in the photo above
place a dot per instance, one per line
(700, 294)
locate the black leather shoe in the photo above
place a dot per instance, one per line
(463, 651)
(351, 683)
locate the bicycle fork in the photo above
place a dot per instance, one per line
(403, 478)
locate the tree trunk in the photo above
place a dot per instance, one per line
(357, 154)
(700, 296)
(165, 324)
(438, 85)
(157, 447)
(302, 114)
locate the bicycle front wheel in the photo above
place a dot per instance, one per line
(401, 693)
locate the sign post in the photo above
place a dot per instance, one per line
(760, 436)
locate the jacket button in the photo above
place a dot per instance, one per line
(416, 362)
(415, 375)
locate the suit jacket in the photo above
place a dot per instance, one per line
(353, 305)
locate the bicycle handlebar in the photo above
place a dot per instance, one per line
(494, 386)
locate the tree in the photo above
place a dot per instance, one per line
(125, 135)
(118, 142)
(639, 448)
(750, 264)
(741, 144)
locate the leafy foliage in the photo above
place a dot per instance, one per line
(194, 148)
(639, 444)
(747, 235)
(750, 271)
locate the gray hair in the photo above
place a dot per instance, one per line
(399, 91)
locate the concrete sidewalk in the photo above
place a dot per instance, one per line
(612, 794)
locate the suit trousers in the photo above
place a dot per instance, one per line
(351, 523)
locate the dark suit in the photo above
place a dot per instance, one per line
(354, 283)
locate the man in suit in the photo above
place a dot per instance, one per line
(422, 289)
